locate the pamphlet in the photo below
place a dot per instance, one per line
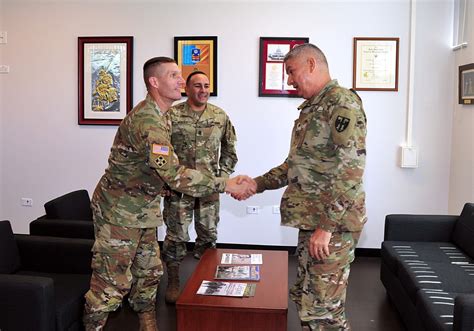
(231, 258)
(222, 288)
(238, 272)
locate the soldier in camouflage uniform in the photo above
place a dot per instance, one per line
(126, 202)
(203, 139)
(324, 197)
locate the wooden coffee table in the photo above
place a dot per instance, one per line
(267, 310)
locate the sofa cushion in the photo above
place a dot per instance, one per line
(69, 291)
(436, 309)
(448, 277)
(9, 256)
(72, 206)
(463, 233)
(396, 252)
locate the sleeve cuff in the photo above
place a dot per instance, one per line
(220, 183)
(260, 184)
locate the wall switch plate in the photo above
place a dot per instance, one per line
(3, 37)
(276, 209)
(409, 157)
(4, 69)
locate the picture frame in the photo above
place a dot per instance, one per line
(375, 64)
(466, 84)
(104, 79)
(197, 53)
(272, 80)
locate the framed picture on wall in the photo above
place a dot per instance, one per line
(104, 79)
(375, 66)
(272, 74)
(197, 54)
(466, 84)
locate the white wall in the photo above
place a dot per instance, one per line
(462, 163)
(47, 154)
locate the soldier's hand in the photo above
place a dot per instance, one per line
(319, 244)
(239, 188)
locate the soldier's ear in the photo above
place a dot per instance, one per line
(153, 81)
(311, 64)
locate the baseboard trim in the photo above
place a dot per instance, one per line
(365, 252)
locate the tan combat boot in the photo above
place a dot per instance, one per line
(148, 321)
(172, 289)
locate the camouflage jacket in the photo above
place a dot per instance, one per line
(204, 140)
(325, 165)
(141, 161)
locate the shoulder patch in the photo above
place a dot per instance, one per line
(342, 125)
(160, 156)
(160, 149)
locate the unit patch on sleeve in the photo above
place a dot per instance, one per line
(161, 155)
(342, 126)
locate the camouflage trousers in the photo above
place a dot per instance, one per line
(178, 215)
(320, 289)
(124, 260)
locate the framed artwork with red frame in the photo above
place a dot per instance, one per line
(104, 79)
(272, 74)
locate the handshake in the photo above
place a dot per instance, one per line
(241, 187)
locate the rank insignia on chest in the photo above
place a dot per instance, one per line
(341, 123)
(160, 149)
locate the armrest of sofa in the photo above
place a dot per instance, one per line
(51, 254)
(402, 227)
(26, 303)
(464, 312)
(65, 228)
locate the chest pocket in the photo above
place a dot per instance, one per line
(209, 133)
(299, 132)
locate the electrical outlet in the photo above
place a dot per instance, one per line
(27, 202)
(276, 209)
(253, 209)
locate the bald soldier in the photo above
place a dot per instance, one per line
(324, 197)
(126, 202)
(203, 138)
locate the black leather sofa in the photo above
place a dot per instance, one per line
(427, 268)
(68, 216)
(42, 281)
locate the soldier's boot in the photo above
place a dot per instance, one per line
(172, 289)
(148, 321)
(95, 321)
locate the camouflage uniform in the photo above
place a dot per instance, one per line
(126, 210)
(324, 172)
(205, 141)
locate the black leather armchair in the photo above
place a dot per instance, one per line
(42, 281)
(68, 216)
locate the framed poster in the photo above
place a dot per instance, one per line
(197, 54)
(105, 79)
(466, 84)
(272, 74)
(375, 66)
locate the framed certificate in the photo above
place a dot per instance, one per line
(197, 54)
(105, 79)
(375, 65)
(466, 84)
(272, 74)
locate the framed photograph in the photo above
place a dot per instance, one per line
(272, 74)
(197, 54)
(375, 65)
(105, 79)
(466, 84)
